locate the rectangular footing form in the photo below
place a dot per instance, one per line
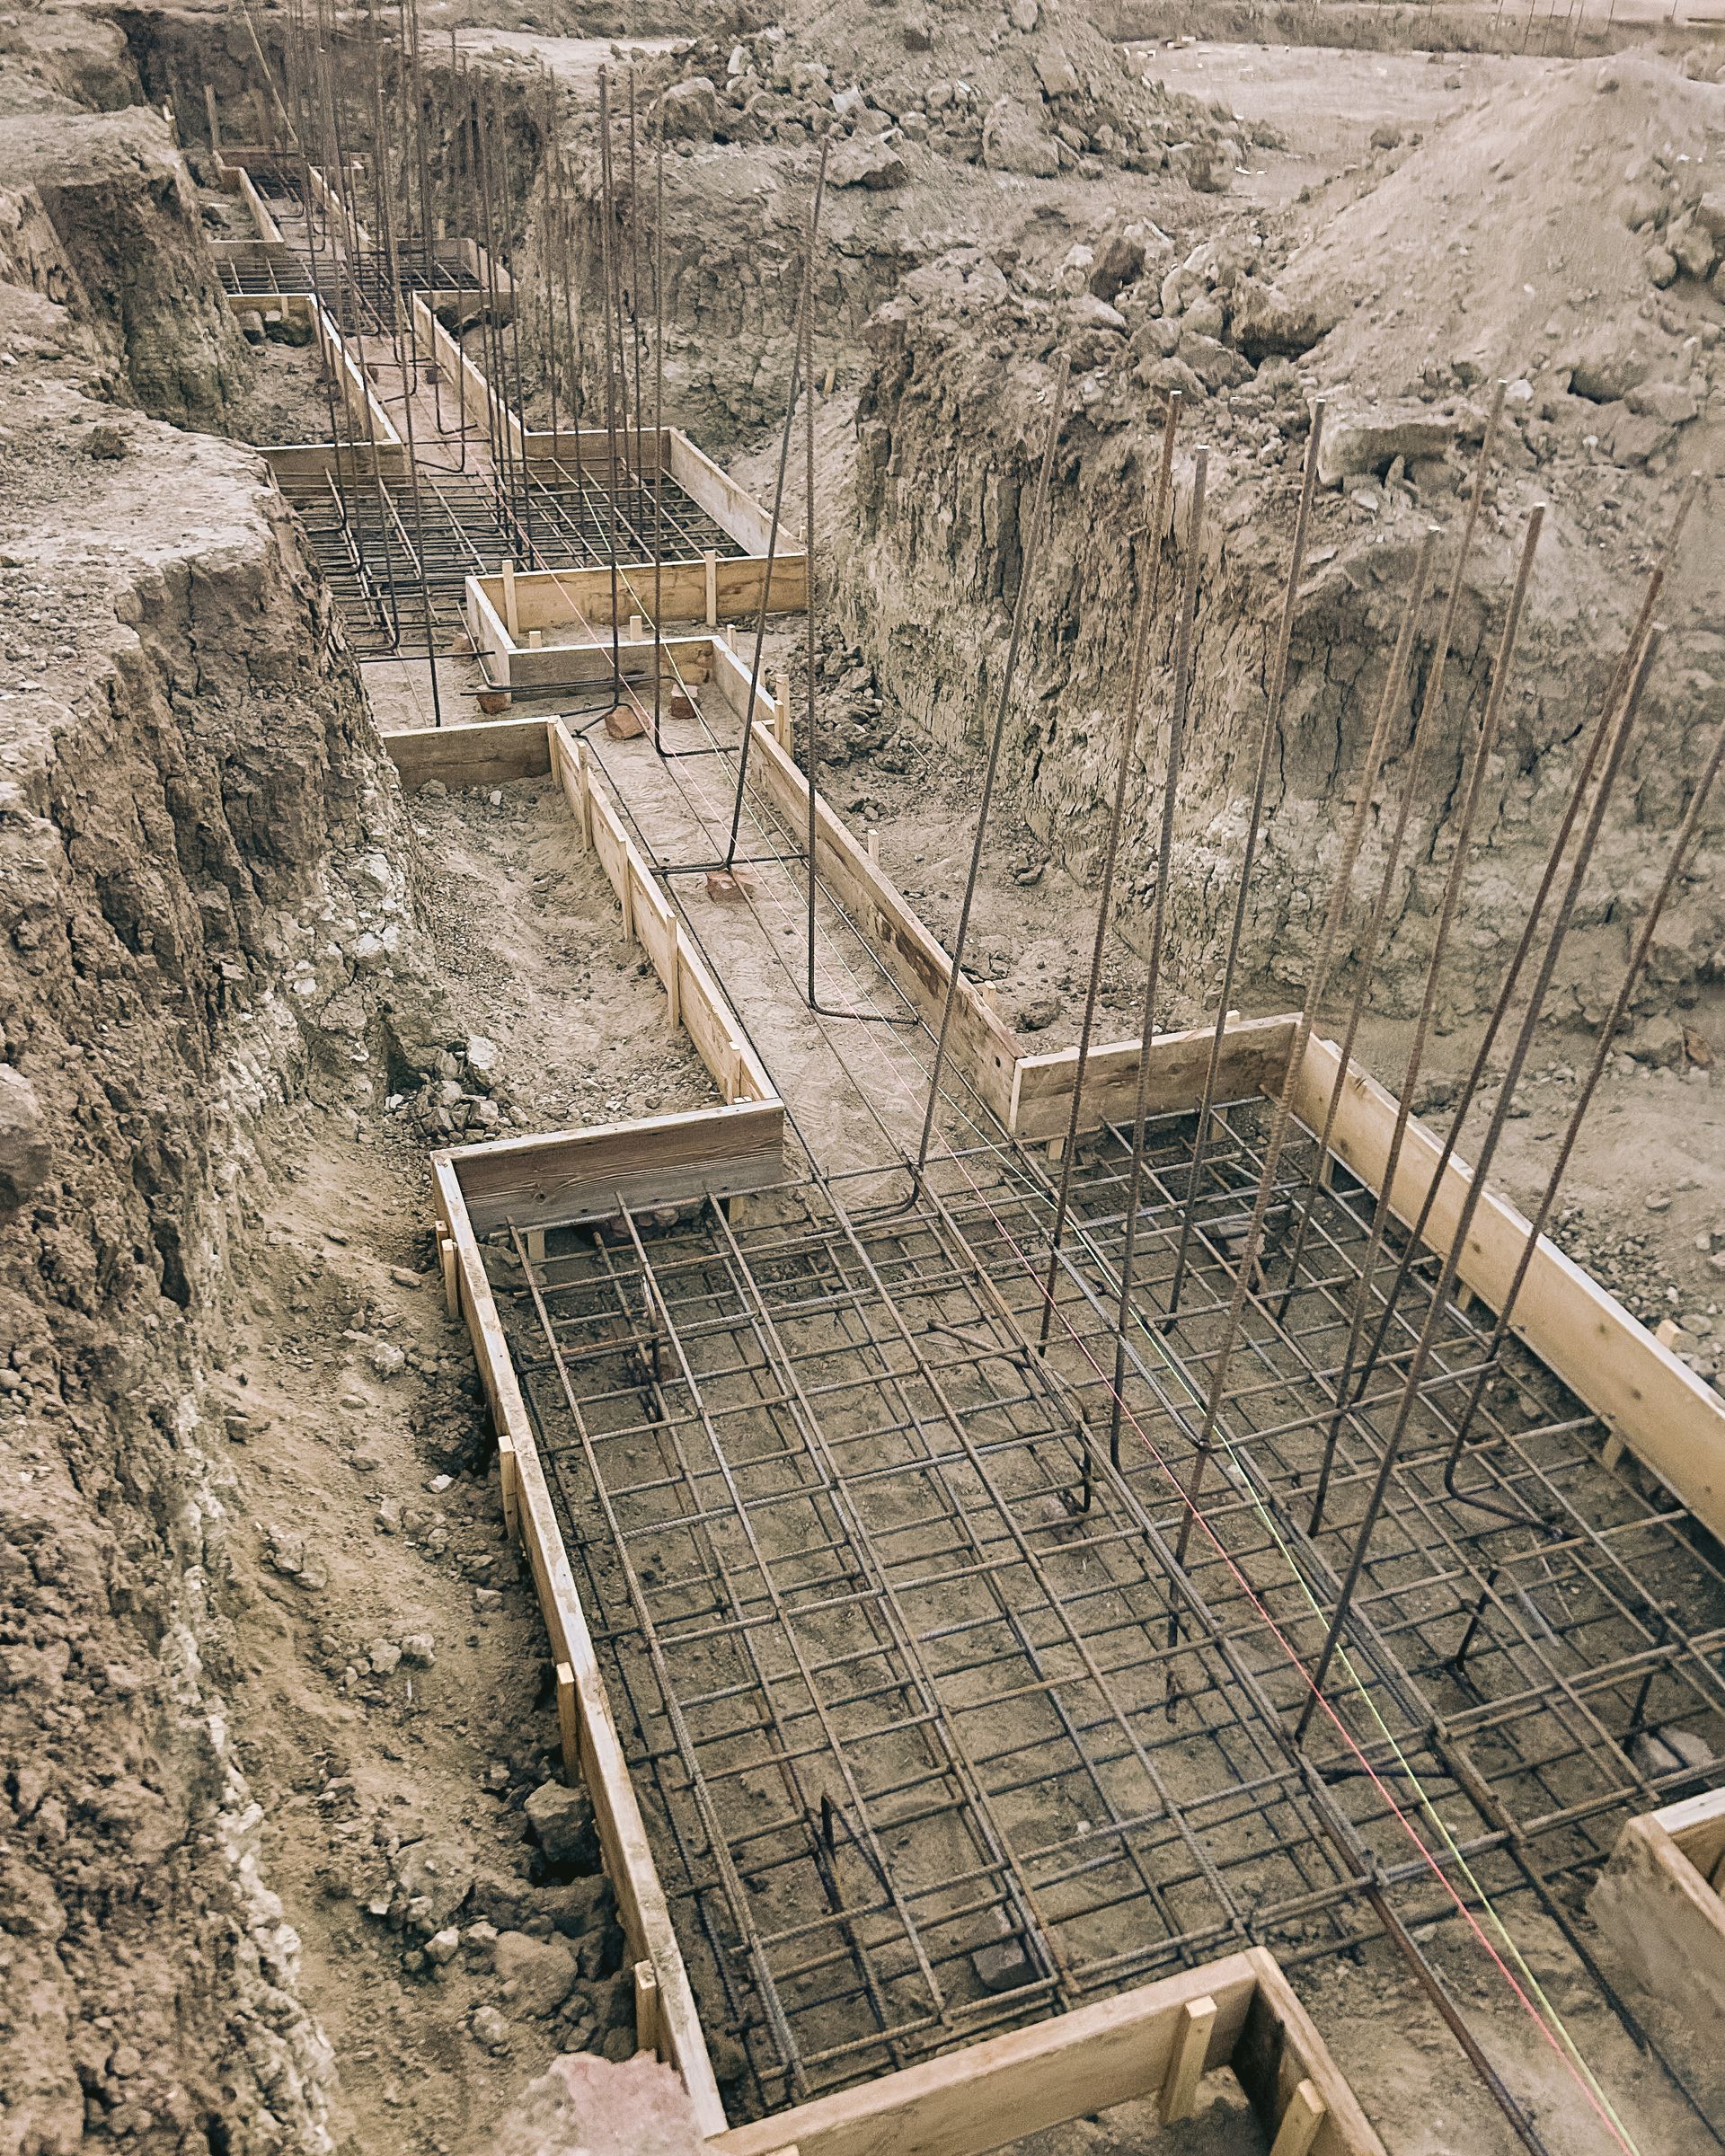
(931, 1733)
(1155, 2041)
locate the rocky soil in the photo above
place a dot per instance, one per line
(285, 1860)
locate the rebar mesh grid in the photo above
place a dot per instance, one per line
(358, 288)
(378, 547)
(934, 1736)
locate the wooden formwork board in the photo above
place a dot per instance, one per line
(1154, 2041)
(476, 399)
(667, 449)
(571, 1176)
(1658, 1902)
(236, 181)
(985, 1048)
(1254, 1059)
(1651, 1402)
(593, 1751)
(569, 606)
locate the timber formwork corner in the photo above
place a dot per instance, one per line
(722, 562)
(1659, 1904)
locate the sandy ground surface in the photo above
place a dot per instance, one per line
(528, 932)
(1326, 104)
(398, 1706)
(396, 1711)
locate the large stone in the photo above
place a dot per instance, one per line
(865, 161)
(563, 1826)
(1371, 443)
(1088, 312)
(542, 1971)
(1609, 362)
(1693, 248)
(25, 1157)
(437, 1877)
(1265, 326)
(1710, 215)
(688, 110)
(1116, 263)
(581, 2101)
(1673, 404)
(1014, 140)
(1055, 72)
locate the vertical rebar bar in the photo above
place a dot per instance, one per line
(1031, 541)
(1254, 821)
(1129, 726)
(1282, 1121)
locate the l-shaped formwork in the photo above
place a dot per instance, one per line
(1156, 2041)
(993, 2092)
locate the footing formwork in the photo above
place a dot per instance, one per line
(917, 1716)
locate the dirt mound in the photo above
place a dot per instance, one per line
(1503, 242)
(1036, 91)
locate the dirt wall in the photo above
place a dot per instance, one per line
(117, 195)
(949, 432)
(196, 829)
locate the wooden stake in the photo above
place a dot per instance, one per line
(448, 1266)
(874, 843)
(214, 130)
(646, 2008)
(1186, 2066)
(1300, 2122)
(711, 562)
(511, 621)
(587, 796)
(508, 1477)
(569, 1722)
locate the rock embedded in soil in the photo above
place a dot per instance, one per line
(581, 2103)
(564, 1826)
(542, 1971)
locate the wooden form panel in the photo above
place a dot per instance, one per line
(598, 1753)
(236, 181)
(434, 342)
(984, 1047)
(572, 604)
(1658, 1903)
(576, 1175)
(488, 753)
(731, 507)
(1697, 1825)
(1652, 1403)
(1156, 2040)
(731, 677)
(1254, 1059)
(695, 997)
(590, 448)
